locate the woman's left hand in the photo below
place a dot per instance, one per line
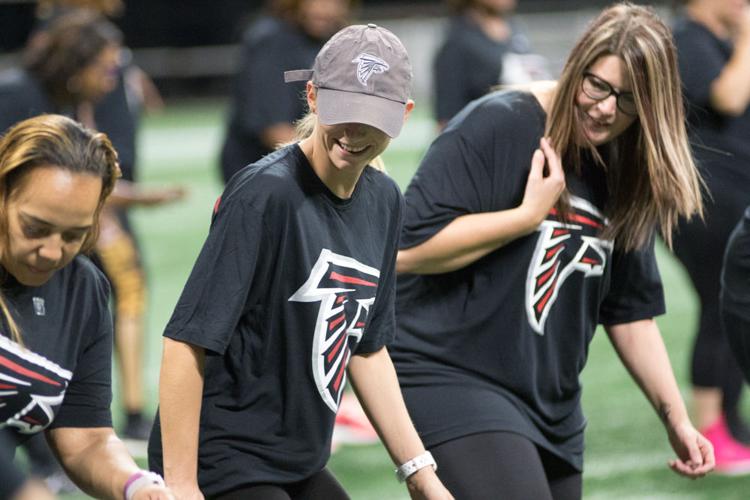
(695, 453)
(425, 485)
(153, 492)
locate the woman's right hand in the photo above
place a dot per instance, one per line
(425, 485)
(542, 191)
(186, 491)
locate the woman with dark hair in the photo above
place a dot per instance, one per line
(56, 338)
(506, 270)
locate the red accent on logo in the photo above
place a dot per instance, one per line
(340, 375)
(336, 348)
(552, 251)
(543, 302)
(332, 325)
(350, 279)
(23, 371)
(544, 277)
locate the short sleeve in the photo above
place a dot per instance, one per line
(382, 328)
(89, 395)
(478, 164)
(636, 291)
(215, 295)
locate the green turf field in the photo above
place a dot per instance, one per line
(626, 447)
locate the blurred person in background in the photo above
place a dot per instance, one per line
(529, 222)
(56, 341)
(69, 70)
(483, 47)
(713, 45)
(262, 112)
(292, 294)
(118, 114)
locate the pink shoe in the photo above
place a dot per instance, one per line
(352, 425)
(732, 458)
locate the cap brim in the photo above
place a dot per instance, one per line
(338, 106)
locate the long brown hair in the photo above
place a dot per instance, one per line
(650, 171)
(61, 142)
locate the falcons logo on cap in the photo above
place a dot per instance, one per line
(368, 64)
(562, 249)
(345, 289)
(31, 387)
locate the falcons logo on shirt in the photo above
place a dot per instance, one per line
(31, 387)
(367, 65)
(563, 248)
(345, 289)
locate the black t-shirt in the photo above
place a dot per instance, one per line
(291, 282)
(260, 98)
(469, 63)
(21, 97)
(701, 57)
(500, 344)
(61, 377)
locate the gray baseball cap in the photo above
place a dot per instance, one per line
(363, 75)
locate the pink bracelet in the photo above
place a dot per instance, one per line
(138, 480)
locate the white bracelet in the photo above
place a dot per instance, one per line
(138, 480)
(413, 465)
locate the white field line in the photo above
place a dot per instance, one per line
(622, 464)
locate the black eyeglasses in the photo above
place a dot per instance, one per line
(598, 90)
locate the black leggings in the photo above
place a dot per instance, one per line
(700, 247)
(321, 486)
(504, 465)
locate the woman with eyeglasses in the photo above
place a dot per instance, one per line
(530, 221)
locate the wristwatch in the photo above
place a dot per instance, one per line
(413, 465)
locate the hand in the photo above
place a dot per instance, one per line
(425, 485)
(695, 453)
(542, 192)
(154, 492)
(161, 196)
(186, 491)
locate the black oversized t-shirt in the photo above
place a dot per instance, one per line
(61, 376)
(290, 283)
(260, 98)
(499, 345)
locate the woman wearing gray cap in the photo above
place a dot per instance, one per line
(293, 290)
